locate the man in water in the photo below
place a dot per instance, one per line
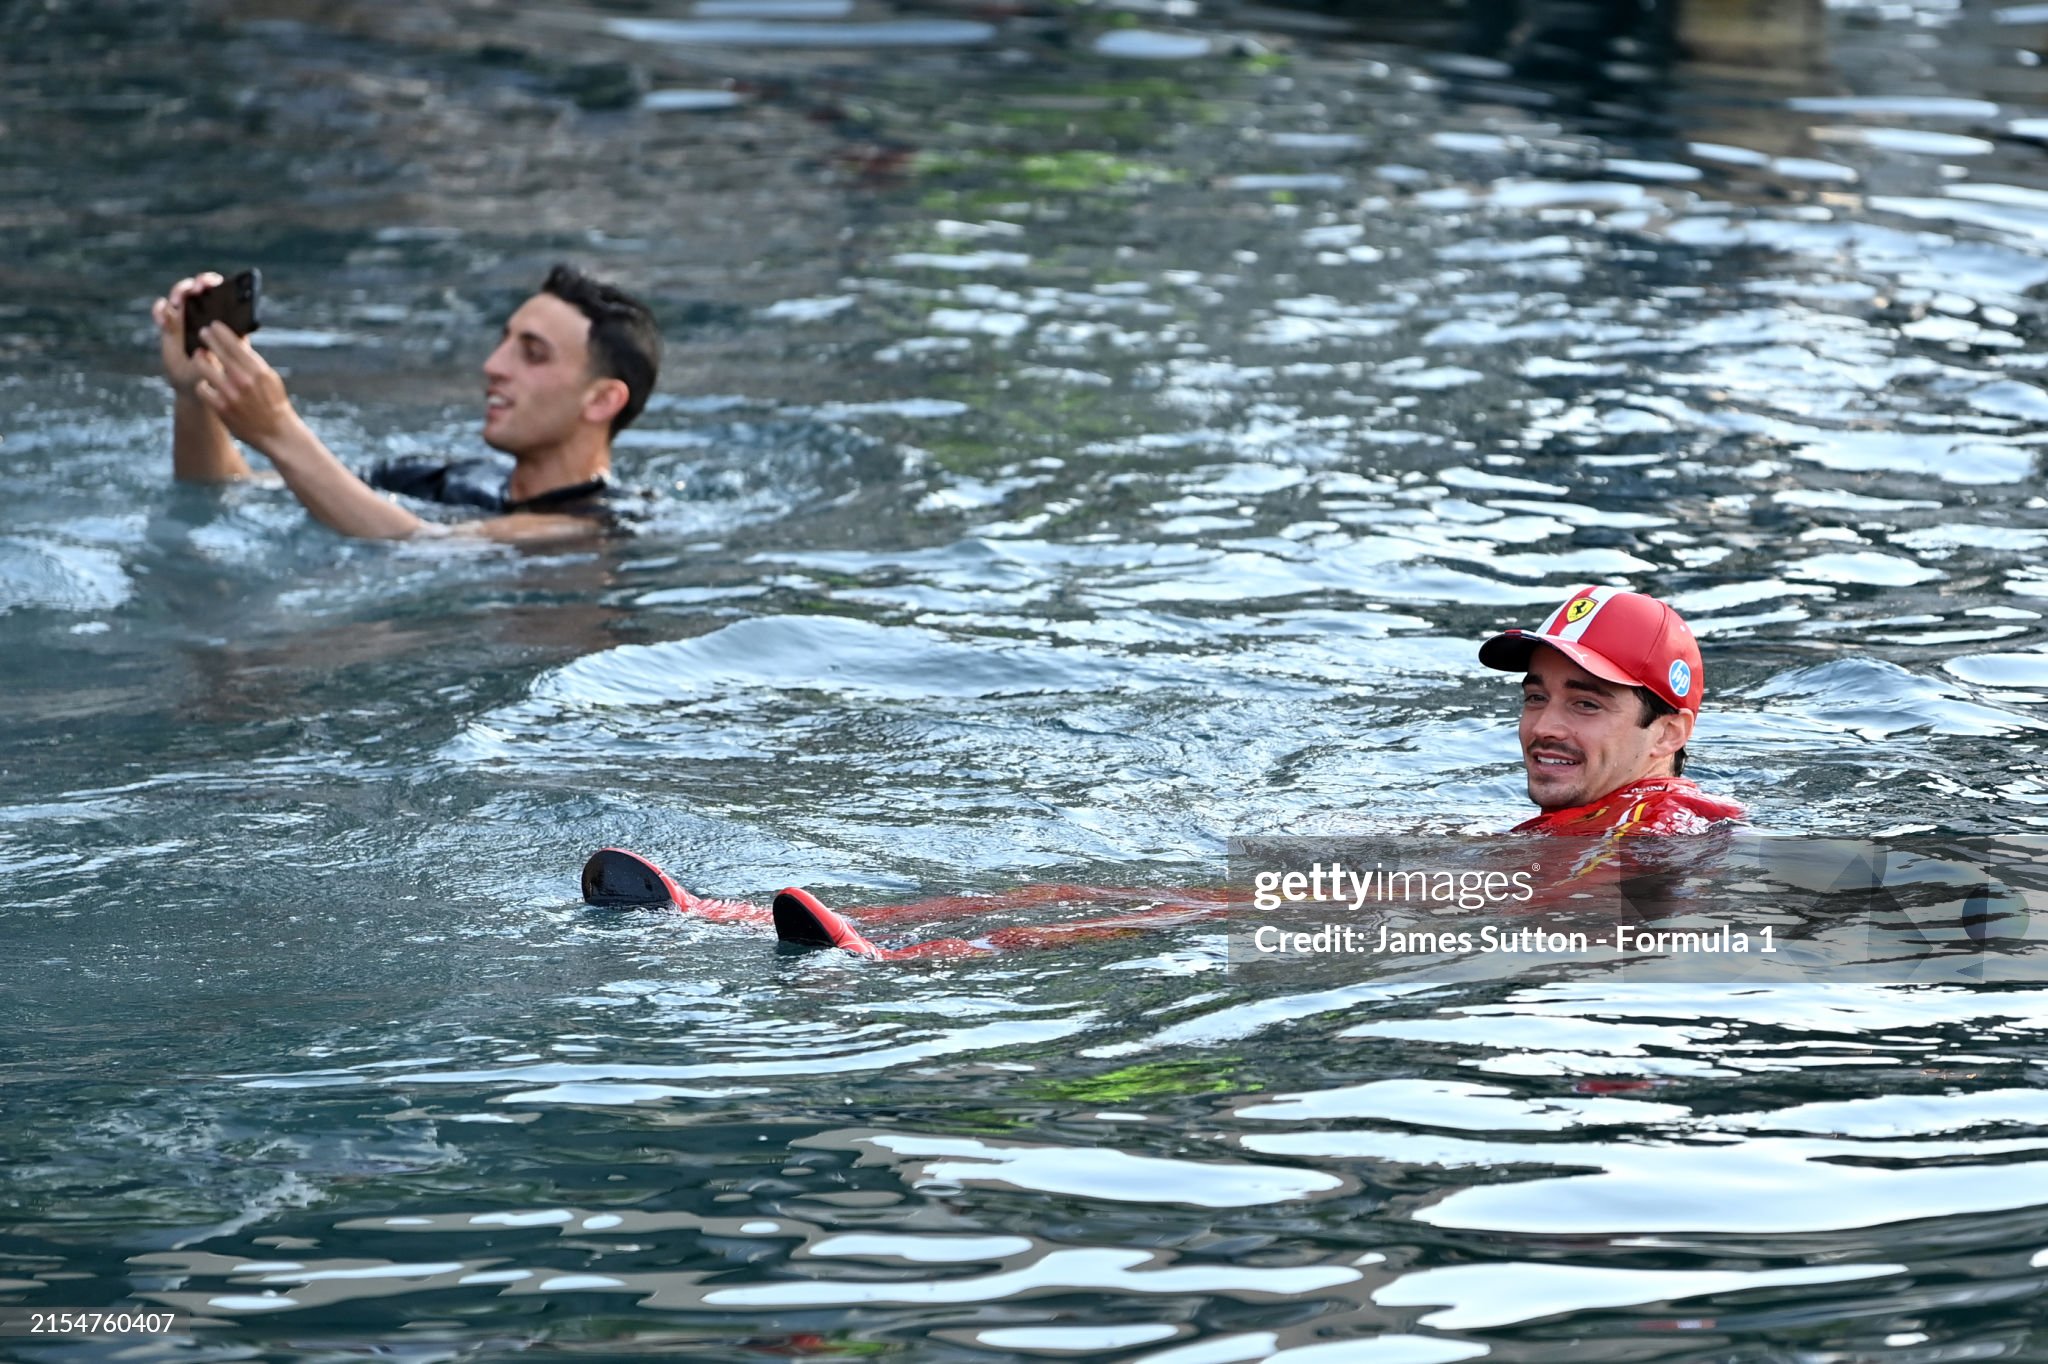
(1611, 688)
(573, 368)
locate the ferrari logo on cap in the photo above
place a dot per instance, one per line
(1579, 610)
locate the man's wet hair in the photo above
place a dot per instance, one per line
(1655, 706)
(624, 342)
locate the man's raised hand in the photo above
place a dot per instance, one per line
(169, 314)
(241, 388)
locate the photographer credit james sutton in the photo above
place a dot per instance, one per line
(1269, 939)
(1337, 884)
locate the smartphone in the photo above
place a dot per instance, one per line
(235, 303)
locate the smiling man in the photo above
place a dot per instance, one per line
(1611, 688)
(573, 368)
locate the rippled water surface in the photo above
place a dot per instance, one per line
(1088, 432)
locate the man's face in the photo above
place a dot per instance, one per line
(538, 381)
(1582, 737)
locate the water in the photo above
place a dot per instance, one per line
(1086, 435)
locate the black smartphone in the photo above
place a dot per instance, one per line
(235, 303)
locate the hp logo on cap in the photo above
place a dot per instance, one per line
(1681, 677)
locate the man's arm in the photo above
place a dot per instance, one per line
(526, 528)
(201, 449)
(246, 398)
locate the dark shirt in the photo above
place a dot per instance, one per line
(485, 482)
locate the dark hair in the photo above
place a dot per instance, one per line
(624, 342)
(1654, 707)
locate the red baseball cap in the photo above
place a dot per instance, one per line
(1618, 636)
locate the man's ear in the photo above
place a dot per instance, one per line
(1673, 733)
(605, 399)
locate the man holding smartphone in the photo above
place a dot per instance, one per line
(573, 368)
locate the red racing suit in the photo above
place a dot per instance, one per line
(1655, 805)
